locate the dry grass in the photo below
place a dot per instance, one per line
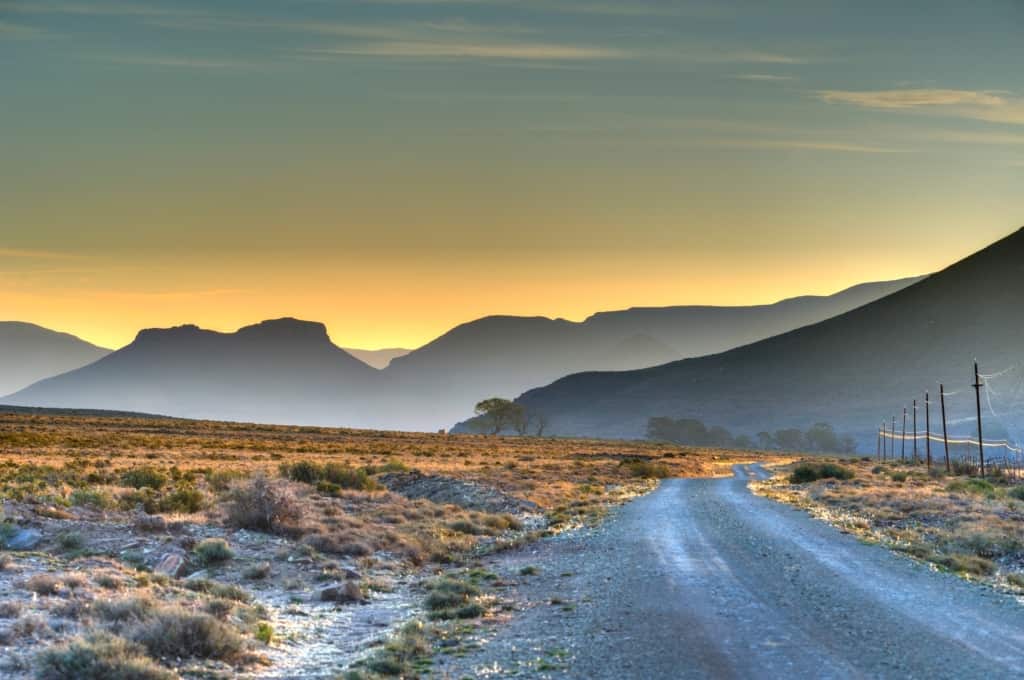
(966, 525)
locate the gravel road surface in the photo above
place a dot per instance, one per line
(702, 579)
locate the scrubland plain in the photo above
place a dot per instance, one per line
(158, 548)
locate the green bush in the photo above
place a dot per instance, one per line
(212, 551)
(811, 472)
(176, 632)
(144, 478)
(645, 469)
(972, 486)
(899, 477)
(1016, 492)
(303, 471)
(99, 657)
(90, 498)
(185, 499)
(449, 598)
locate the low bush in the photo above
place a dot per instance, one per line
(144, 478)
(646, 469)
(1016, 492)
(330, 477)
(176, 632)
(212, 551)
(972, 486)
(185, 499)
(450, 598)
(99, 657)
(261, 506)
(811, 472)
(91, 498)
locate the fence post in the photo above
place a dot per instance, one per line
(915, 432)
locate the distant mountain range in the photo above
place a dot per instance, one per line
(29, 353)
(288, 371)
(282, 371)
(851, 370)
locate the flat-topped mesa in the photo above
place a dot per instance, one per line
(287, 328)
(292, 331)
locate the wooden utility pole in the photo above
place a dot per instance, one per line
(903, 438)
(915, 432)
(945, 434)
(892, 449)
(878, 446)
(884, 444)
(927, 431)
(981, 441)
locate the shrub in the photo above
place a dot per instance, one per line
(645, 469)
(446, 595)
(92, 498)
(126, 610)
(973, 486)
(964, 468)
(264, 632)
(227, 591)
(349, 477)
(70, 540)
(257, 572)
(258, 505)
(99, 657)
(810, 472)
(176, 632)
(304, 471)
(899, 477)
(43, 584)
(1016, 492)
(144, 478)
(213, 551)
(185, 498)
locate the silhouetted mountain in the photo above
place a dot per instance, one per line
(282, 371)
(504, 355)
(377, 358)
(851, 370)
(29, 353)
(287, 371)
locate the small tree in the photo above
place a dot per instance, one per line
(497, 414)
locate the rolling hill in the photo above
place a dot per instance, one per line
(377, 358)
(29, 353)
(851, 370)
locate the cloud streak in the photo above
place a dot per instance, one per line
(986, 105)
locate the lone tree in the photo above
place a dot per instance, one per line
(497, 414)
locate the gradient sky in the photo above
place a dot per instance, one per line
(395, 167)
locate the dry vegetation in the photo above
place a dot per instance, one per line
(966, 525)
(161, 547)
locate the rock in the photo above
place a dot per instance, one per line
(170, 564)
(195, 576)
(24, 539)
(343, 593)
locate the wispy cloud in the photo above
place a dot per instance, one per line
(180, 62)
(806, 145)
(766, 77)
(987, 105)
(456, 49)
(17, 31)
(910, 99)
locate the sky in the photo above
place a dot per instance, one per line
(396, 167)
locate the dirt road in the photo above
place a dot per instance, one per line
(702, 579)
